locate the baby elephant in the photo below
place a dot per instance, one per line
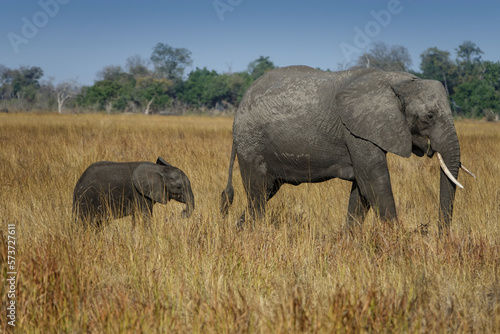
(117, 189)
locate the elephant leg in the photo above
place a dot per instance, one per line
(372, 177)
(258, 193)
(377, 189)
(145, 209)
(358, 207)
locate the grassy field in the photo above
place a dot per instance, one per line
(294, 271)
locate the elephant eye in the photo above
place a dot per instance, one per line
(431, 114)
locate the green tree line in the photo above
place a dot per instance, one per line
(160, 83)
(473, 84)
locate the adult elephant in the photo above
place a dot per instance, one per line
(297, 124)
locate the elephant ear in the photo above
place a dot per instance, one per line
(161, 161)
(370, 109)
(149, 182)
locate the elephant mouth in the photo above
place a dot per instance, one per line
(417, 151)
(178, 198)
(428, 149)
(430, 153)
(423, 147)
(420, 151)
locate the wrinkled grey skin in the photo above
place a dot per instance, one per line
(116, 189)
(297, 124)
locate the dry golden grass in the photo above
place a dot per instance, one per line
(294, 271)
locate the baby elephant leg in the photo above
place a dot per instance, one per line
(144, 209)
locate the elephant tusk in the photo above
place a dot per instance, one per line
(447, 171)
(467, 171)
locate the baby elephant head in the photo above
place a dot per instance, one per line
(162, 182)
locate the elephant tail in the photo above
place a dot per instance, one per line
(227, 195)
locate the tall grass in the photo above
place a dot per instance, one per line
(294, 271)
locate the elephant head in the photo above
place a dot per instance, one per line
(403, 114)
(163, 182)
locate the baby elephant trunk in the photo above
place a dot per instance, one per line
(188, 198)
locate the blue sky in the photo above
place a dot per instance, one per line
(74, 39)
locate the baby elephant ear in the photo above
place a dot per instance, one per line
(149, 182)
(161, 161)
(370, 109)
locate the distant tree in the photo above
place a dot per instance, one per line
(195, 88)
(102, 94)
(437, 65)
(205, 88)
(3, 71)
(46, 97)
(491, 73)
(5, 82)
(385, 57)
(469, 52)
(259, 67)
(170, 62)
(469, 61)
(238, 84)
(217, 90)
(28, 93)
(66, 90)
(24, 81)
(110, 72)
(112, 91)
(152, 94)
(475, 97)
(137, 66)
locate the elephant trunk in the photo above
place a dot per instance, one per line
(447, 145)
(189, 200)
